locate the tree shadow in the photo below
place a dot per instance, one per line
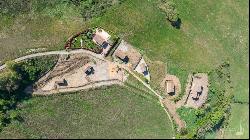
(176, 24)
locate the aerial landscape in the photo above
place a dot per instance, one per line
(130, 69)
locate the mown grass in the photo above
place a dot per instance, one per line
(239, 122)
(210, 34)
(114, 112)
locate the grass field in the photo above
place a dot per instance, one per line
(239, 124)
(37, 30)
(114, 112)
(211, 32)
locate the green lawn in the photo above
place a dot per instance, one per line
(211, 32)
(239, 123)
(114, 112)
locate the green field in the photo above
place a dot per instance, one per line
(113, 112)
(212, 32)
(239, 122)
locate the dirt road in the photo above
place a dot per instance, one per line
(55, 53)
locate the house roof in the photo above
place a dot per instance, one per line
(98, 39)
(170, 86)
(103, 34)
(100, 36)
(143, 67)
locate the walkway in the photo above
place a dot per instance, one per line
(63, 52)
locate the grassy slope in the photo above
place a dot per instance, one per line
(212, 32)
(45, 28)
(115, 112)
(238, 121)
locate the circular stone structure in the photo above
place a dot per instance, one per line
(171, 86)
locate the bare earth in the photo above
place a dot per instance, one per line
(73, 71)
(198, 80)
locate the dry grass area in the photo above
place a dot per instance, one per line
(125, 49)
(35, 31)
(157, 70)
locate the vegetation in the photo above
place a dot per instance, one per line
(204, 41)
(93, 8)
(14, 79)
(169, 8)
(210, 34)
(87, 43)
(45, 24)
(113, 112)
(215, 113)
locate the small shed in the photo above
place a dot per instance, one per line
(196, 91)
(170, 87)
(144, 69)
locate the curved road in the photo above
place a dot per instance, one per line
(55, 53)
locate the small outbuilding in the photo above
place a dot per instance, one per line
(170, 87)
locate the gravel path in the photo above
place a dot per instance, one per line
(55, 53)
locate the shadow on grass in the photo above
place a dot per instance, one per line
(176, 24)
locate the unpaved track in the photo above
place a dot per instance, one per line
(63, 52)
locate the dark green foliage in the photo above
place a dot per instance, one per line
(87, 8)
(172, 15)
(33, 69)
(13, 81)
(93, 8)
(215, 113)
(14, 7)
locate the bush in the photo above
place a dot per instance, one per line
(215, 115)
(14, 79)
(172, 15)
(168, 7)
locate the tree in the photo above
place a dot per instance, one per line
(9, 79)
(168, 7)
(172, 15)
